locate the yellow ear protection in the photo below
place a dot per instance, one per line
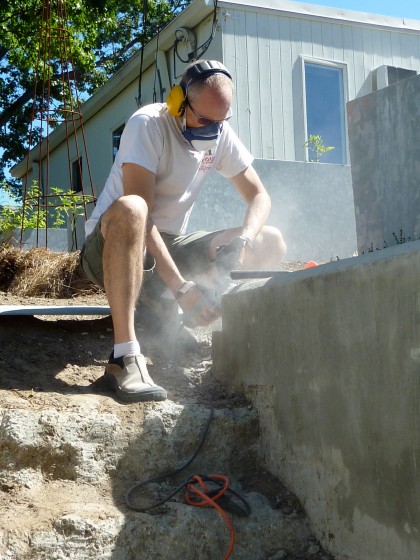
(176, 100)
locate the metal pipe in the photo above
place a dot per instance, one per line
(250, 274)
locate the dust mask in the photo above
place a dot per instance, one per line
(203, 138)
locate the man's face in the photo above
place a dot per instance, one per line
(208, 106)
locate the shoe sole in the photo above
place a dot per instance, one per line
(145, 395)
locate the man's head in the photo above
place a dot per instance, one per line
(204, 95)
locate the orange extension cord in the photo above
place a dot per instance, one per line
(196, 492)
(193, 489)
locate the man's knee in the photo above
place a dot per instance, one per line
(128, 215)
(273, 242)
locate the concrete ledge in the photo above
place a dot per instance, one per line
(330, 356)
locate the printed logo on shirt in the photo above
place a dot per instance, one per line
(207, 162)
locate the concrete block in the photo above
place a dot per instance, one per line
(384, 135)
(330, 357)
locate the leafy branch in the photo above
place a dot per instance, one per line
(315, 145)
(37, 213)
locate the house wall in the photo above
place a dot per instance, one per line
(264, 48)
(98, 134)
(99, 128)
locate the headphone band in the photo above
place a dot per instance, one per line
(201, 70)
(198, 71)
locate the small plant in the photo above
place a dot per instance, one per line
(38, 211)
(371, 249)
(316, 148)
(399, 240)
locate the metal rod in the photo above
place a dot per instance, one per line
(248, 274)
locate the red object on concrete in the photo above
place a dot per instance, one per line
(311, 264)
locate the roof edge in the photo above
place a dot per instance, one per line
(191, 15)
(327, 12)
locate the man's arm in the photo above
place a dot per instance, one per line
(249, 185)
(138, 180)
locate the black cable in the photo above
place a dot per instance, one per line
(143, 40)
(202, 48)
(156, 70)
(170, 473)
(225, 501)
(174, 59)
(207, 43)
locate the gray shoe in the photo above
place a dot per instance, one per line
(129, 378)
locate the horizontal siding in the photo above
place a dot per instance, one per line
(264, 50)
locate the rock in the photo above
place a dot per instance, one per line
(69, 452)
(279, 555)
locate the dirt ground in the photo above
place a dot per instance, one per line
(53, 362)
(46, 360)
(43, 357)
(57, 362)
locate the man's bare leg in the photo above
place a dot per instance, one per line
(268, 249)
(267, 253)
(123, 227)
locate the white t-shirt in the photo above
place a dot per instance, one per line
(153, 139)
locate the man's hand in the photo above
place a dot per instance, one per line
(198, 310)
(231, 256)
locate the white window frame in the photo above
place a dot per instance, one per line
(329, 64)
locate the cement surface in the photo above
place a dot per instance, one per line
(330, 357)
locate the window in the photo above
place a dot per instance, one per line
(116, 139)
(325, 109)
(76, 175)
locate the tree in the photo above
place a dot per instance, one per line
(104, 35)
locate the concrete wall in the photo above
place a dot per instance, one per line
(384, 134)
(330, 357)
(312, 204)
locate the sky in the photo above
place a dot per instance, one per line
(409, 9)
(4, 199)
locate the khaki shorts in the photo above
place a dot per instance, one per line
(189, 253)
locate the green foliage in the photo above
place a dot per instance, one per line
(316, 148)
(104, 34)
(36, 213)
(399, 240)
